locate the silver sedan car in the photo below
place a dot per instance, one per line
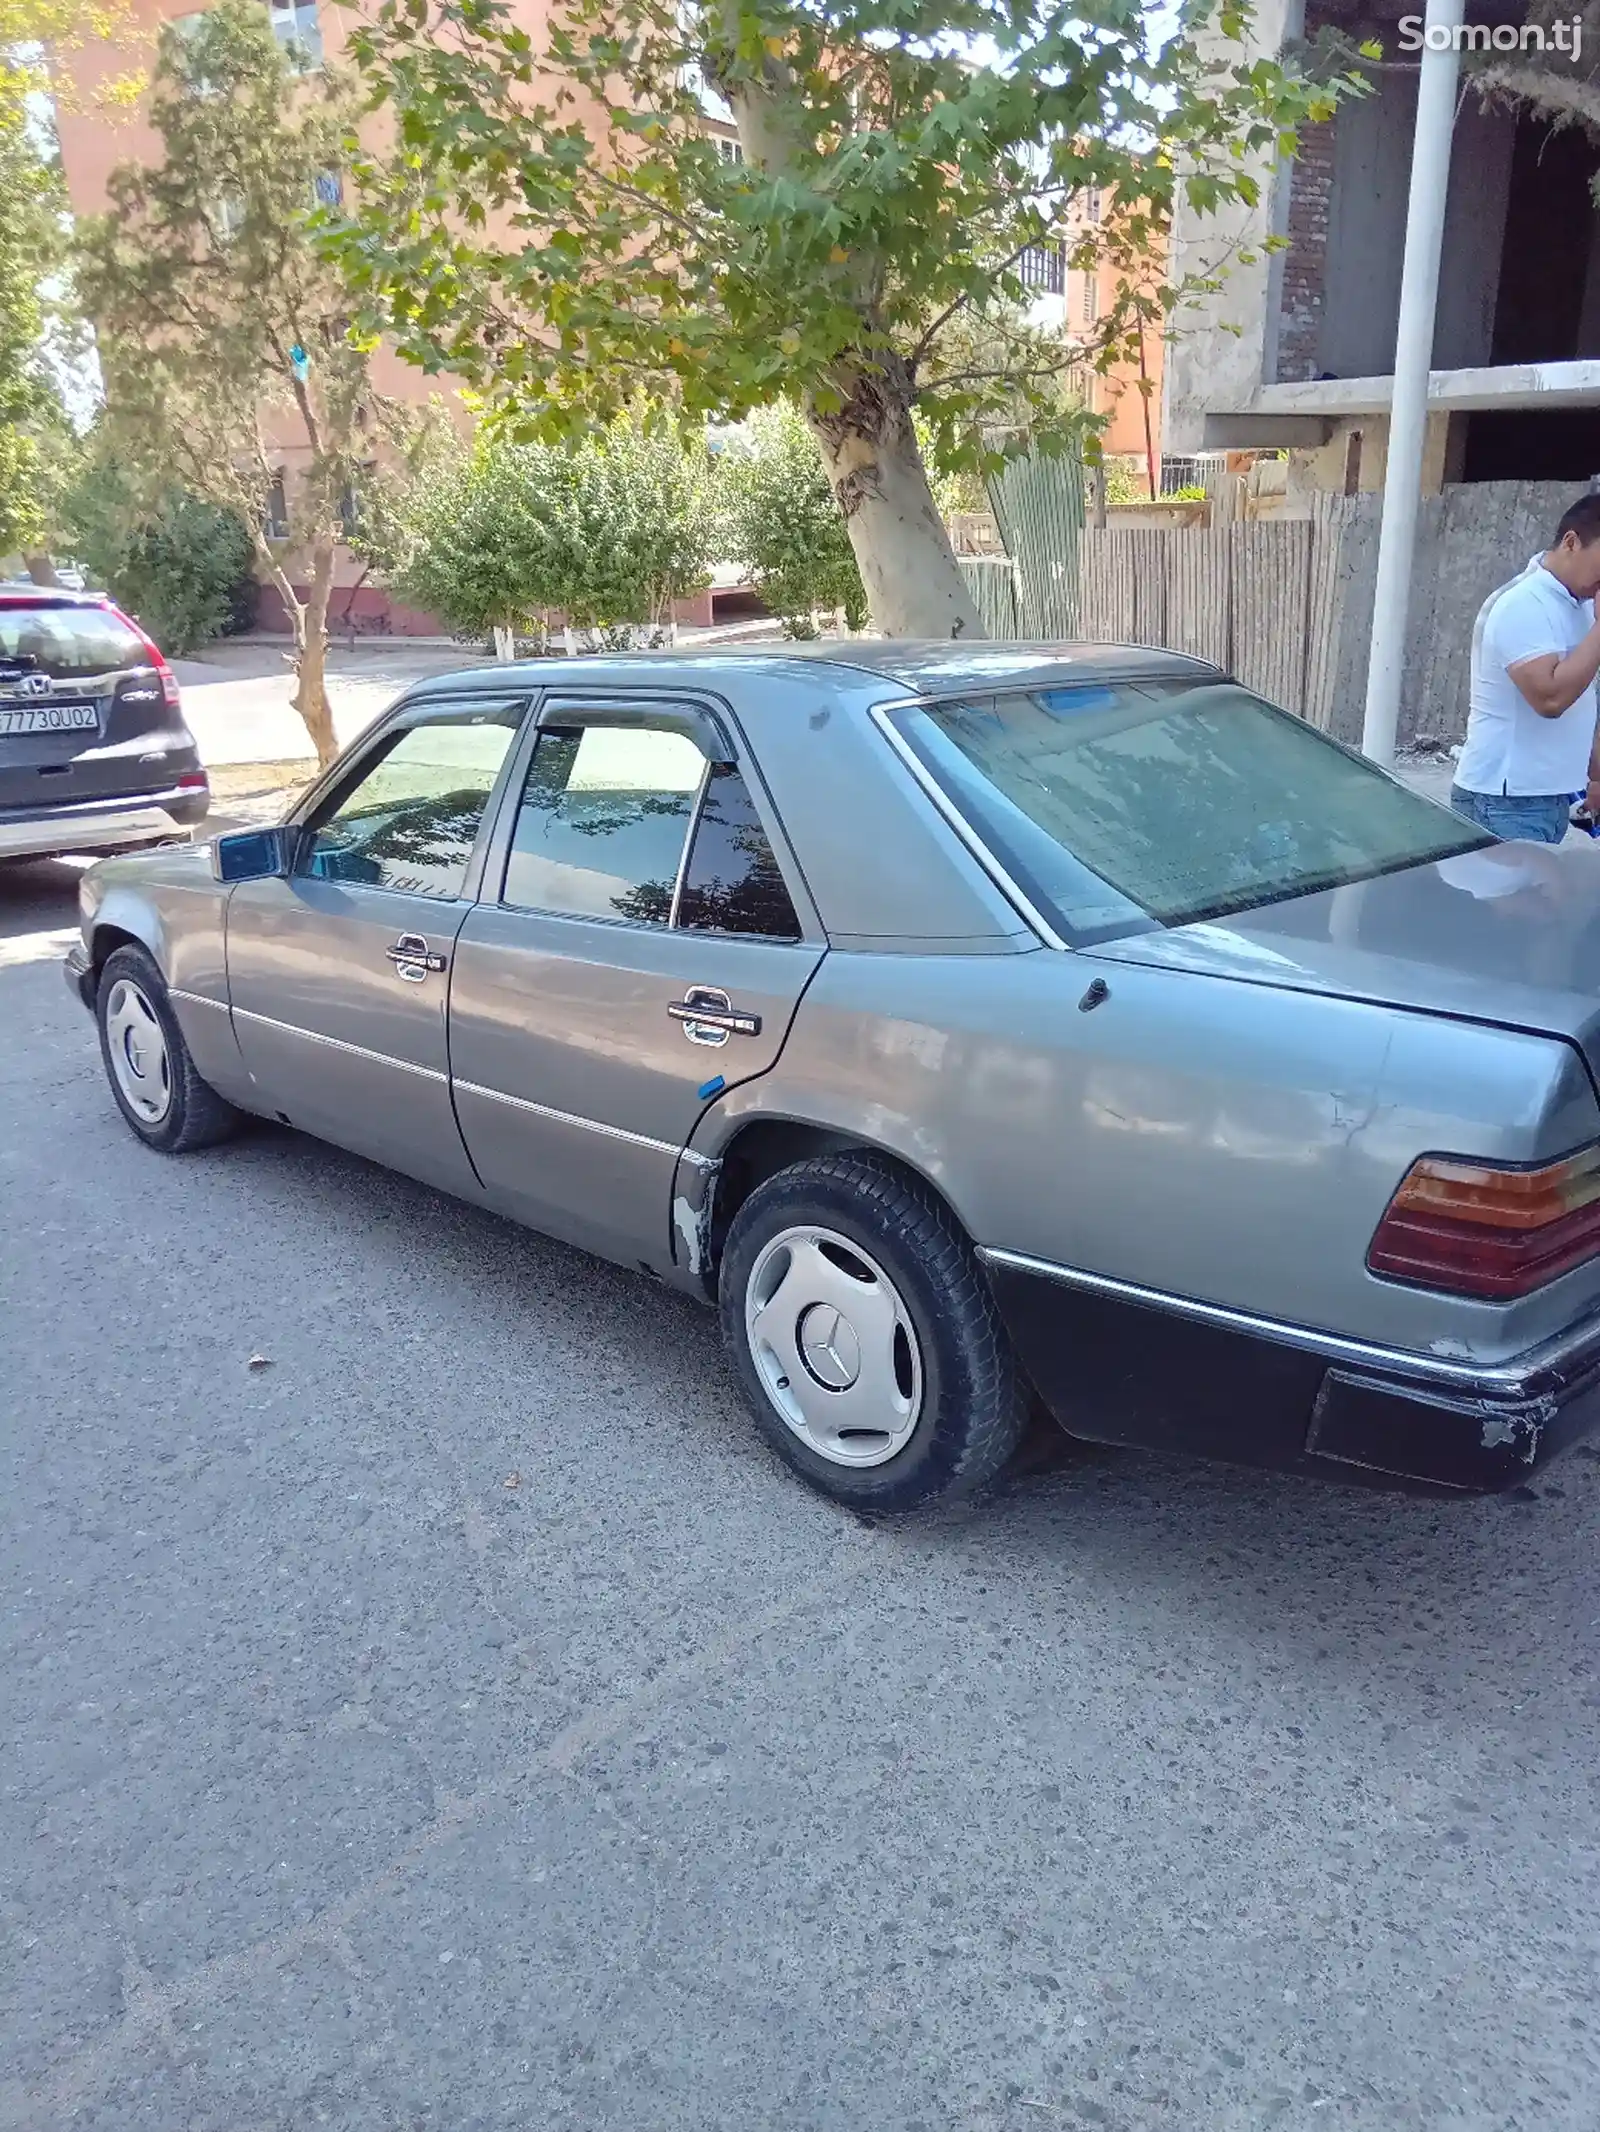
(970, 1025)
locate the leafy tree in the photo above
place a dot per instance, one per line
(182, 565)
(607, 533)
(33, 425)
(475, 546)
(39, 329)
(556, 223)
(222, 328)
(782, 524)
(633, 522)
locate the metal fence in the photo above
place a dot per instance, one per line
(1038, 505)
(992, 581)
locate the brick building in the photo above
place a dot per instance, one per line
(1516, 357)
(1073, 301)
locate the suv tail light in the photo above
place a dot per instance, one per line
(164, 673)
(1484, 1229)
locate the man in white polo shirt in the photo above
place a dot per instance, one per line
(1531, 733)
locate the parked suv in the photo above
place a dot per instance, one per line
(94, 754)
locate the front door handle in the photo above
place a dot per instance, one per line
(710, 1017)
(413, 958)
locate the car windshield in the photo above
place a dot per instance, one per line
(67, 643)
(1120, 807)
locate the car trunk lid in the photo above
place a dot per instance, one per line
(1508, 935)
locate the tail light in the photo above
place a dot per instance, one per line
(1483, 1229)
(164, 673)
(194, 781)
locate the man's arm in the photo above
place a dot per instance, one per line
(1591, 798)
(1552, 684)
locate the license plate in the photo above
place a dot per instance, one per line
(48, 718)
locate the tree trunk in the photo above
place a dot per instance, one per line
(505, 643)
(41, 570)
(311, 657)
(874, 465)
(869, 448)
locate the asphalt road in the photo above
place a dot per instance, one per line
(461, 1722)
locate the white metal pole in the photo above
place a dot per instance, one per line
(1413, 355)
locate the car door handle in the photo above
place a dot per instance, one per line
(710, 1017)
(413, 958)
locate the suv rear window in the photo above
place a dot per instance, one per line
(1124, 806)
(68, 643)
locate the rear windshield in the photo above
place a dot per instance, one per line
(1123, 807)
(69, 643)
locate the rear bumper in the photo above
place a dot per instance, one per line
(102, 825)
(1118, 1364)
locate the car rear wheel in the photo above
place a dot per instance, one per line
(865, 1337)
(152, 1076)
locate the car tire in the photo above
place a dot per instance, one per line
(865, 1338)
(157, 1086)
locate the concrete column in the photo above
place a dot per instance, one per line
(1408, 416)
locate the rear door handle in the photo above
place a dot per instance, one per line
(413, 958)
(710, 1017)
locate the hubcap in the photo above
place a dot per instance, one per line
(137, 1046)
(834, 1347)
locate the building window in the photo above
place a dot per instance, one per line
(1042, 267)
(1091, 203)
(1091, 299)
(295, 25)
(729, 150)
(328, 188)
(275, 517)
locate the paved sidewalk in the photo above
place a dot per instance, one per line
(238, 698)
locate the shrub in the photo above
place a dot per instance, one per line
(607, 533)
(781, 523)
(182, 566)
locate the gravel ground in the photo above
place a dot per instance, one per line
(455, 1719)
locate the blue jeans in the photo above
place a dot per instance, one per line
(1537, 818)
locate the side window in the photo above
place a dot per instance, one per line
(732, 883)
(410, 820)
(602, 821)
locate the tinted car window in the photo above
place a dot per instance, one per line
(69, 643)
(732, 883)
(1126, 805)
(602, 821)
(411, 819)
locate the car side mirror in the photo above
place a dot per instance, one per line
(255, 854)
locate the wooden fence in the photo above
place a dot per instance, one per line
(1286, 603)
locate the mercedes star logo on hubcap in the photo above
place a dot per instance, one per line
(829, 1347)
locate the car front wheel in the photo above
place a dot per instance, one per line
(155, 1081)
(865, 1337)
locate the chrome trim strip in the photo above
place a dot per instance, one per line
(588, 1125)
(198, 999)
(335, 1043)
(963, 829)
(1366, 1354)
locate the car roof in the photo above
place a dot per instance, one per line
(936, 667)
(18, 592)
(938, 664)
